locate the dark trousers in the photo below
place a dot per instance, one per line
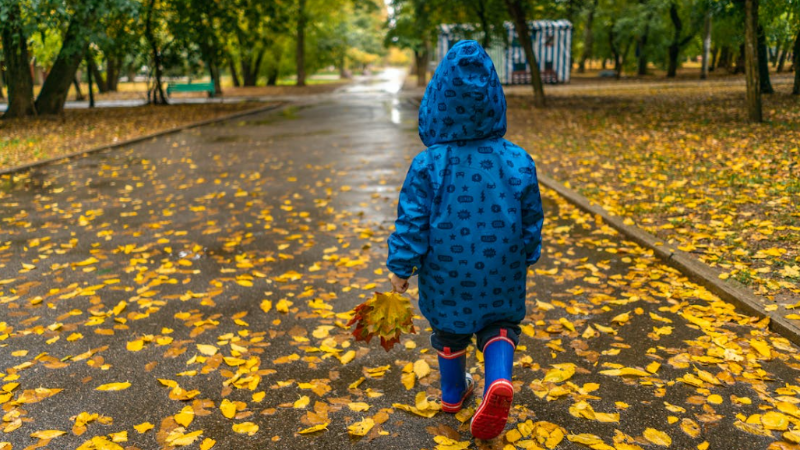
(457, 342)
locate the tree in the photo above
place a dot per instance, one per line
(413, 26)
(679, 40)
(706, 46)
(588, 37)
(517, 13)
(754, 112)
(301, 42)
(74, 44)
(796, 63)
(15, 51)
(155, 94)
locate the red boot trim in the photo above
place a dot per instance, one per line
(491, 417)
(446, 354)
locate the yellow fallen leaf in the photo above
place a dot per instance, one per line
(446, 443)
(177, 439)
(361, 428)
(315, 428)
(283, 305)
(358, 406)
(248, 428)
(560, 373)
(266, 306)
(48, 434)
(347, 357)
(185, 417)
(690, 427)
(228, 408)
(773, 420)
(207, 444)
(761, 346)
(135, 346)
(302, 402)
(421, 368)
(144, 427)
(113, 386)
(657, 437)
(208, 350)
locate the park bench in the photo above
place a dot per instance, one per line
(191, 87)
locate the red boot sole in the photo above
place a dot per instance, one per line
(491, 417)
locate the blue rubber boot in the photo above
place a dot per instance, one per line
(457, 384)
(498, 392)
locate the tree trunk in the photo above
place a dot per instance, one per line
(706, 47)
(775, 57)
(18, 70)
(95, 72)
(156, 95)
(112, 72)
(213, 72)
(588, 39)
(782, 58)
(740, 60)
(234, 75)
(76, 83)
(640, 47)
(754, 112)
(714, 55)
(724, 58)
(796, 64)
(272, 75)
(2, 74)
(763, 63)
(675, 47)
(54, 92)
(614, 52)
(517, 13)
(421, 64)
(301, 43)
(89, 75)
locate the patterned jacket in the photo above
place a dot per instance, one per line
(470, 216)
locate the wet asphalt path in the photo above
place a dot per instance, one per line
(116, 266)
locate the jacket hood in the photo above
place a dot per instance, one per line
(464, 100)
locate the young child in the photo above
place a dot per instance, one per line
(469, 223)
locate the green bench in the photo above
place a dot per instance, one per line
(191, 87)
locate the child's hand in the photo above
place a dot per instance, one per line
(399, 285)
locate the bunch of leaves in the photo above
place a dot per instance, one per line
(386, 315)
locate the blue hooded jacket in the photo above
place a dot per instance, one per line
(470, 217)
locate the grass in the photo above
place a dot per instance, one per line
(655, 151)
(24, 141)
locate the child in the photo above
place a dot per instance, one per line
(469, 223)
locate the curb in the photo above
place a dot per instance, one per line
(730, 291)
(138, 139)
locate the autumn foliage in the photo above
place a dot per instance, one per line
(386, 315)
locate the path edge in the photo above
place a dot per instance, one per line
(698, 272)
(139, 139)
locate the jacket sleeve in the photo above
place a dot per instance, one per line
(532, 219)
(409, 242)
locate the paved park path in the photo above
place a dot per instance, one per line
(193, 289)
